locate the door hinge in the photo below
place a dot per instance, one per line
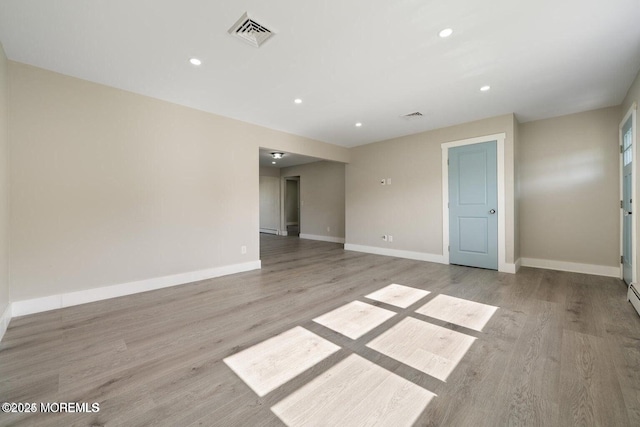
(621, 259)
(621, 204)
(621, 149)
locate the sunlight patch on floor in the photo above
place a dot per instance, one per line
(271, 363)
(398, 295)
(462, 312)
(431, 349)
(354, 319)
(355, 392)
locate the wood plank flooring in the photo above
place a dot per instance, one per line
(561, 349)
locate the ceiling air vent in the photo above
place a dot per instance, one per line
(414, 115)
(249, 31)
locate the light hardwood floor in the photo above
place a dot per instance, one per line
(561, 349)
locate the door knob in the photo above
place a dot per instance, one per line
(492, 211)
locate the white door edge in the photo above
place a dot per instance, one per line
(631, 113)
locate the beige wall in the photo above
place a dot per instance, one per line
(269, 203)
(269, 198)
(570, 188)
(266, 171)
(322, 197)
(4, 187)
(633, 95)
(410, 209)
(112, 187)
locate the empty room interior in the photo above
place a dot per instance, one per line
(285, 213)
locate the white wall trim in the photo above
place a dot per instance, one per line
(518, 264)
(322, 238)
(503, 266)
(37, 305)
(510, 268)
(269, 231)
(573, 267)
(419, 256)
(4, 320)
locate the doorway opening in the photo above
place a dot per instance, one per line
(473, 200)
(501, 197)
(291, 208)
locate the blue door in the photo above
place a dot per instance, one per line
(627, 211)
(473, 205)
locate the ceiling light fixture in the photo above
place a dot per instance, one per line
(298, 101)
(273, 163)
(277, 155)
(445, 33)
(358, 124)
(195, 61)
(485, 88)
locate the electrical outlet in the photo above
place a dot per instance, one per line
(388, 181)
(383, 181)
(384, 237)
(390, 238)
(243, 250)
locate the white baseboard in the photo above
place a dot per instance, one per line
(518, 264)
(322, 238)
(509, 268)
(269, 231)
(573, 267)
(4, 320)
(419, 256)
(37, 305)
(283, 233)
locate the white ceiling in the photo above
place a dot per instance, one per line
(366, 61)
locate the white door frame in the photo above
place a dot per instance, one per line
(502, 223)
(634, 221)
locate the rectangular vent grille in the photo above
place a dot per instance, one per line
(249, 31)
(414, 115)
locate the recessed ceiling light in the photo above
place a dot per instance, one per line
(298, 101)
(273, 163)
(445, 33)
(277, 155)
(358, 124)
(195, 61)
(485, 88)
